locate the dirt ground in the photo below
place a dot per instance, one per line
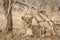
(9, 37)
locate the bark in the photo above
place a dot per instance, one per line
(8, 9)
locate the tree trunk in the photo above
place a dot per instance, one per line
(8, 8)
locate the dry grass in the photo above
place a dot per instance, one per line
(13, 36)
(8, 37)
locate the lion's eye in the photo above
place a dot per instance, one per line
(22, 17)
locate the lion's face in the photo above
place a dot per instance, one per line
(27, 18)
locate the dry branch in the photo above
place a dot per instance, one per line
(28, 5)
(43, 12)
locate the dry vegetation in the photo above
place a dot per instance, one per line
(29, 20)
